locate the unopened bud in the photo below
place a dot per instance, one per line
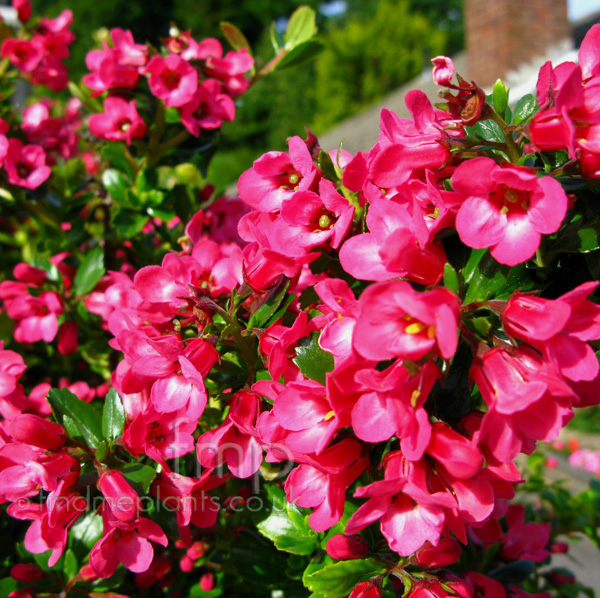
(37, 431)
(342, 547)
(122, 499)
(26, 572)
(207, 582)
(365, 589)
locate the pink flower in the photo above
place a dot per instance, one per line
(126, 543)
(443, 70)
(508, 208)
(26, 164)
(172, 79)
(207, 109)
(120, 121)
(397, 321)
(24, 54)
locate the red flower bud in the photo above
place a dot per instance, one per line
(122, 499)
(67, 338)
(365, 589)
(37, 431)
(342, 547)
(26, 572)
(196, 551)
(186, 564)
(559, 547)
(207, 582)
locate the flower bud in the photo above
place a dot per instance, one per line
(342, 547)
(122, 499)
(196, 551)
(207, 582)
(67, 338)
(559, 547)
(365, 589)
(26, 572)
(186, 564)
(37, 431)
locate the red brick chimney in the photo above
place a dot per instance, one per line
(502, 34)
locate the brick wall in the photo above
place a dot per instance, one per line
(501, 34)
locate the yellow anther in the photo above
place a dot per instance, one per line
(329, 416)
(431, 331)
(415, 328)
(293, 178)
(504, 210)
(415, 397)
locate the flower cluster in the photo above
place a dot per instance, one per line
(340, 331)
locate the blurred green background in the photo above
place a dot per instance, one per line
(371, 47)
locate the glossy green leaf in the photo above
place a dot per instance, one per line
(115, 183)
(139, 476)
(487, 130)
(114, 154)
(90, 271)
(485, 278)
(313, 362)
(85, 417)
(269, 305)
(301, 27)
(450, 278)
(500, 98)
(300, 54)
(524, 110)
(129, 223)
(113, 416)
(340, 578)
(43, 263)
(286, 525)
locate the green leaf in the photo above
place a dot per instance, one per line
(275, 38)
(84, 416)
(301, 27)
(70, 566)
(43, 263)
(313, 362)
(450, 278)
(237, 40)
(139, 476)
(90, 271)
(525, 108)
(129, 223)
(325, 163)
(115, 183)
(515, 572)
(340, 578)
(301, 53)
(269, 305)
(487, 130)
(500, 98)
(114, 154)
(8, 585)
(286, 525)
(113, 416)
(485, 278)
